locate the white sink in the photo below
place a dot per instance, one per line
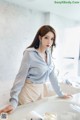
(62, 109)
(51, 105)
(54, 106)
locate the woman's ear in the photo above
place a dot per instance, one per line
(39, 37)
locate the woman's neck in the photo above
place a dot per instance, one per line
(41, 50)
(42, 53)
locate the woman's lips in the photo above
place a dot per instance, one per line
(48, 45)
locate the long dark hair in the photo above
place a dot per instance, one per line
(42, 32)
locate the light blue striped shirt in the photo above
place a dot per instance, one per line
(35, 69)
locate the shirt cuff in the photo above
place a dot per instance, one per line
(13, 102)
(61, 94)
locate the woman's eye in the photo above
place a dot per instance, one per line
(52, 39)
(46, 37)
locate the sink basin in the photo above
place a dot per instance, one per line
(49, 105)
(54, 106)
(62, 109)
(58, 106)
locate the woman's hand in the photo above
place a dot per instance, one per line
(66, 96)
(7, 109)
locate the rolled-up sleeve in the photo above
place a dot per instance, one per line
(55, 84)
(20, 79)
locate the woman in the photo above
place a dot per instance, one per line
(36, 68)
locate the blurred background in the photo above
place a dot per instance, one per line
(19, 22)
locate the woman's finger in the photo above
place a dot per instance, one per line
(7, 109)
(67, 96)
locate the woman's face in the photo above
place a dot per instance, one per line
(47, 40)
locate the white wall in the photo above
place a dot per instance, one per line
(17, 29)
(18, 26)
(66, 46)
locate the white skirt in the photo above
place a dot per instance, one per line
(32, 92)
